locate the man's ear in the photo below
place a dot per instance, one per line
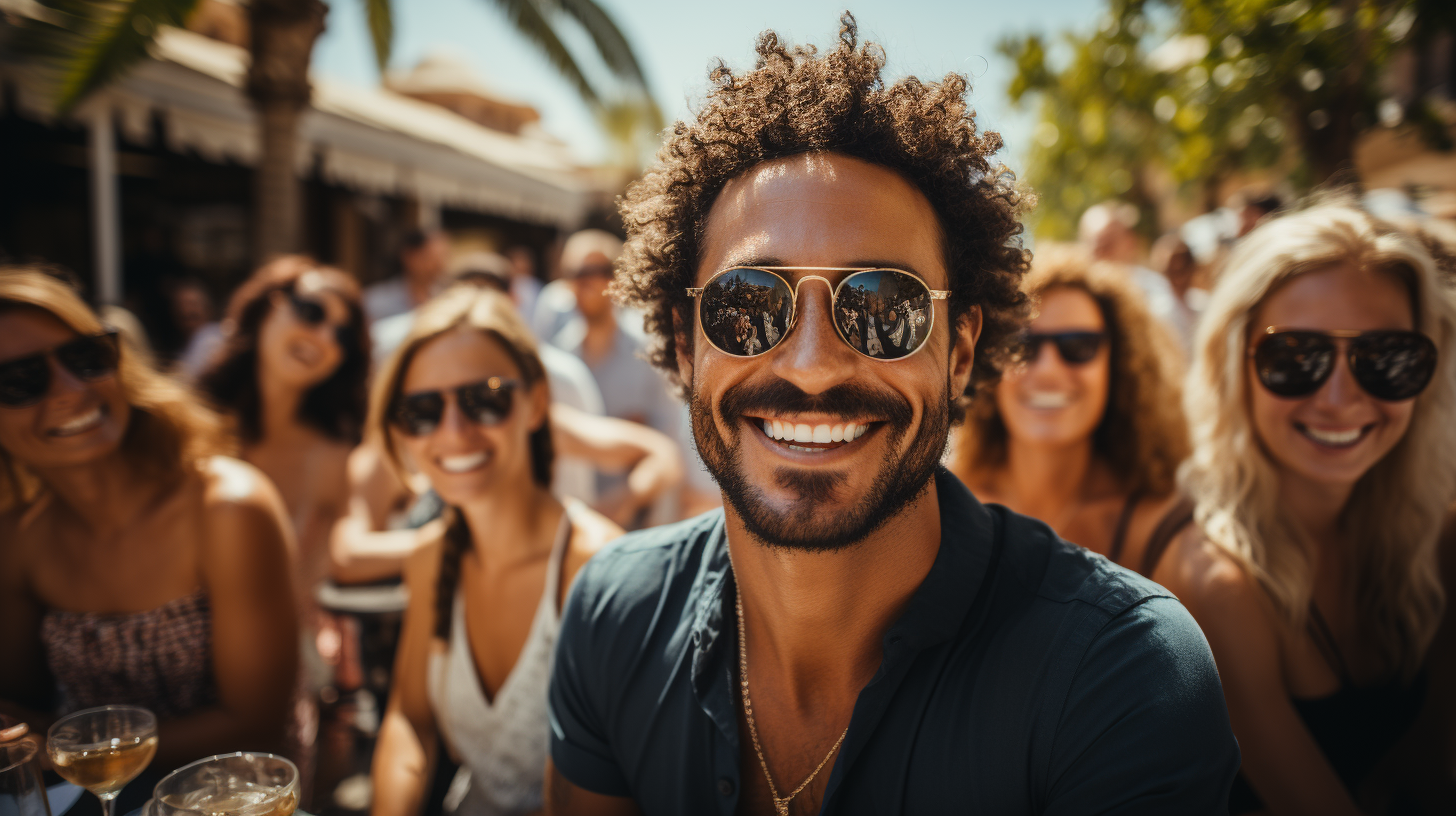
(682, 342)
(963, 339)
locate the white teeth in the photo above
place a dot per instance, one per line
(1048, 399)
(768, 429)
(836, 434)
(859, 430)
(818, 434)
(1333, 437)
(461, 464)
(80, 423)
(821, 434)
(803, 433)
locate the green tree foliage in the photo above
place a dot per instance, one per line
(1196, 90)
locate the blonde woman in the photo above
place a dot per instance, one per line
(137, 566)
(465, 400)
(1084, 430)
(1321, 403)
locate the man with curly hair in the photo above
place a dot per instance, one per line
(854, 632)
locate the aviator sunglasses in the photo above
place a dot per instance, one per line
(1389, 365)
(25, 380)
(486, 403)
(884, 314)
(1074, 347)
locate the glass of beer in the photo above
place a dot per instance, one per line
(240, 784)
(102, 749)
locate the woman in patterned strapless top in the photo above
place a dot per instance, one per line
(465, 400)
(137, 566)
(1321, 401)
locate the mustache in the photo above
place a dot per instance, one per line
(781, 396)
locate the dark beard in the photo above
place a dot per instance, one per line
(902, 478)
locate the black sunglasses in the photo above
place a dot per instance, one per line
(25, 380)
(1389, 365)
(485, 403)
(307, 310)
(884, 314)
(1074, 347)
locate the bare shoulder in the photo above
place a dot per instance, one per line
(1218, 590)
(230, 484)
(241, 507)
(590, 531)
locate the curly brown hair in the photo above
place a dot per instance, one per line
(793, 102)
(1143, 436)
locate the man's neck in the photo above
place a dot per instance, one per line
(818, 618)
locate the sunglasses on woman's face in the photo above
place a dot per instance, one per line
(25, 380)
(485, 403)
(745, 311)
(1075, 347)
(1389, 365)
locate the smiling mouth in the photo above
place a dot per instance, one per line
(1048, 399)
(1334, 438)
(81, 424)
(463, 464)
(817, 438)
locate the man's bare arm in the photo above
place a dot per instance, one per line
(565, 799)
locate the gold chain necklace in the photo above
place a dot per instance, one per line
(781, 803)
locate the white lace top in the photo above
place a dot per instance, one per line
(501, 744)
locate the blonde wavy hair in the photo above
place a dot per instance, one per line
(1397, 508)
(170, 432)
(1142, 436)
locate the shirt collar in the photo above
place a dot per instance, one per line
(935, 612)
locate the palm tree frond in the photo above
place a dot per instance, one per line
(534, 26)
(611, 43)
(90, 43)
(381, 29)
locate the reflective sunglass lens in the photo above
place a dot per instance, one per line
(1078, 348)
(484, 404)
(883, 313)
(1393, 366)
(89, 357)
(1294, 364)
(419, 414)
(745, 312)
(24, 381)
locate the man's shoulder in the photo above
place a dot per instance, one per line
(1035, 558)
(647, 568)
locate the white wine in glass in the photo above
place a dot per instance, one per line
(102, 749)
(240, 784)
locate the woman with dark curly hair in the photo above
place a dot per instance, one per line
(1085, 430)
(291, 376)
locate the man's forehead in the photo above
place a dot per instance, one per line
(822, 210)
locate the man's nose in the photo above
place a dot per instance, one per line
(813, 357)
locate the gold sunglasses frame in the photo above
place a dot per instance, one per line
(696, 292)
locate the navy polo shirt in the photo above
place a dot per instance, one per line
(1026, 675)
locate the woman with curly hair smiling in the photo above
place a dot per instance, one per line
(1084, 430)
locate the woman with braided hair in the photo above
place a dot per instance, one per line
(465, 402)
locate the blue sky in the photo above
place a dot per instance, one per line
(677, 40)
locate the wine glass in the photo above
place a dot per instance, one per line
(21, 791)
(240, 784)
(102, 749)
